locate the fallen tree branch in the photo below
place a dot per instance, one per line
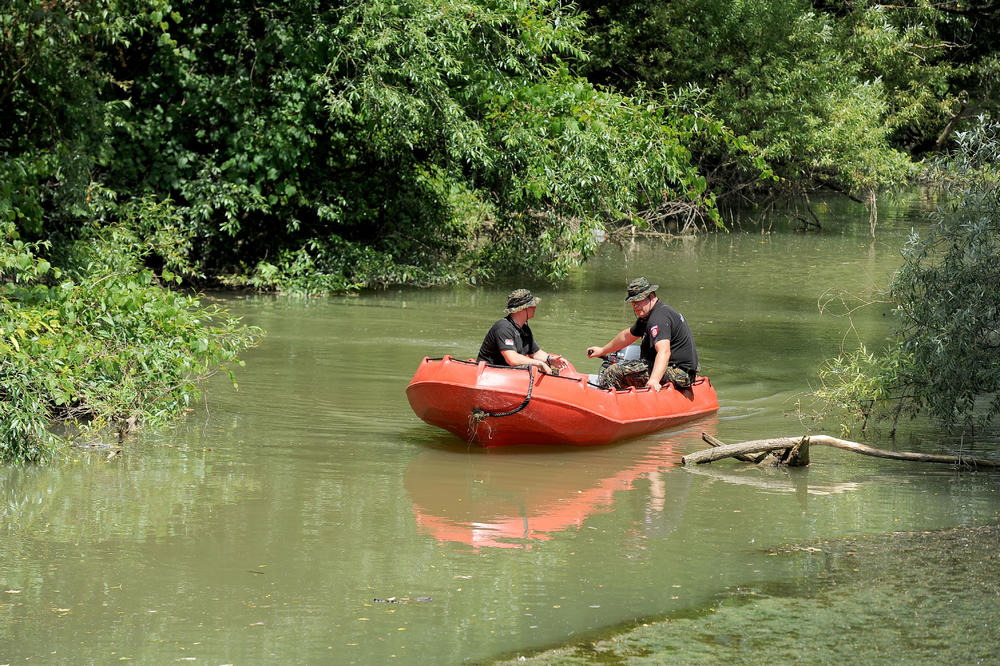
(715, 441)
(742, 450)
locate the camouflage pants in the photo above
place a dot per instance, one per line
(624, 374)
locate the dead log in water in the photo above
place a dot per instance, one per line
(794, 450)
(796, 455)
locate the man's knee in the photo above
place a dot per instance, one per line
(681, 378)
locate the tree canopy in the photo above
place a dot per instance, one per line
(324, 147)
(327, 147)
(837, 94)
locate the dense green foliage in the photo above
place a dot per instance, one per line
(89, 334)
(943, 360)
(103, 344)
(324, 148)
(837, 94)
(318, 147)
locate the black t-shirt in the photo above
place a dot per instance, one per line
(665, 323)
(506, 335)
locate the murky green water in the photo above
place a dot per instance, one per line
(264, 527)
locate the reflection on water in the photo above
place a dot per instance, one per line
(262, 528)
(776, 479)
(510, 499)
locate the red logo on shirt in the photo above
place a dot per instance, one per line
(653, 331)
(509, 342)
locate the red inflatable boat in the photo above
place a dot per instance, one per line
(503, 406)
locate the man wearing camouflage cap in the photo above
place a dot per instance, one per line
(510, 341)
(667, 352)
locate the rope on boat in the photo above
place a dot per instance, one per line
(478, 415)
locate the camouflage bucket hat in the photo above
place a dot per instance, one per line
(639, 289)
(520, 299)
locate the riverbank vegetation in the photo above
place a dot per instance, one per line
(942, 360)
(100, 344)
(316, 148)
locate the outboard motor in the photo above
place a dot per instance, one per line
(630, 353)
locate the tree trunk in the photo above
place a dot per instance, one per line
(743, 451)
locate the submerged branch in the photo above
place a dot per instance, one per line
(742, 450)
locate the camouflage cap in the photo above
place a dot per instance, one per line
(520, 299)
(639, 289)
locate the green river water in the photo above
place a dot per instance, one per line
(310, 517)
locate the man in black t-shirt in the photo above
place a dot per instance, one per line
(667, 351)
(510, 342)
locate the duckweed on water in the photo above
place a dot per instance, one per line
(914, 597)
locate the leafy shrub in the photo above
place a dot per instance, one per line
(943, 359)
(104, 345)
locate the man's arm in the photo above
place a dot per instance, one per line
(554, 360)
(659, 364)
(537, 359)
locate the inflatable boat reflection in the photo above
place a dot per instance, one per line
(515, 500)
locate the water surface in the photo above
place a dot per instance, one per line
(309, 517)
